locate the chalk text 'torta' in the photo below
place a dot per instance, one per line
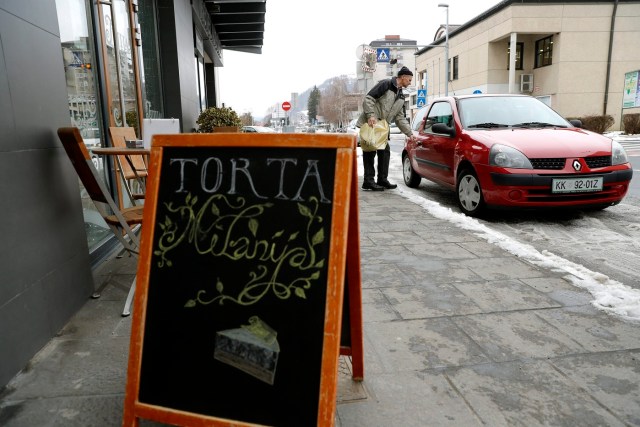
(213, 175)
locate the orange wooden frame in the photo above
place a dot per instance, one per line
(354, 284)
(342, 200)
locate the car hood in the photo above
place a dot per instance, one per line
(547, 142)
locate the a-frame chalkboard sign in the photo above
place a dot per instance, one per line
(237, 316)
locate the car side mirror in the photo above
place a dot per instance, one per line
(444, 129)
(576, 123)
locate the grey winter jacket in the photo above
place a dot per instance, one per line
(383, 102)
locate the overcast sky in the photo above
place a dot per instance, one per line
(306, 43)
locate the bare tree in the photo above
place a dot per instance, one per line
(337, 104)
(246, 119)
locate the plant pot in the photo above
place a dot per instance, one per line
(218, 129)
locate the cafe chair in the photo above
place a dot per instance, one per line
(120, 221)
(132, 169)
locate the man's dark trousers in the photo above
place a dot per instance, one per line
(368, 160)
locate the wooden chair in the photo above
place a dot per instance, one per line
(120, 221)
(132, 169)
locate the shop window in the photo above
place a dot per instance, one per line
(544, 52)
(78, 55)
(519, 50)
(120, 66)
(202, 86)
(152, 89)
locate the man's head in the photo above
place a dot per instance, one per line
(405, 76)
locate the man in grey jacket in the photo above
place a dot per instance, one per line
(384, 101)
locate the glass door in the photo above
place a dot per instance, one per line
(120, 63)
(121, 70)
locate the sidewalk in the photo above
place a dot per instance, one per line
(457, 333)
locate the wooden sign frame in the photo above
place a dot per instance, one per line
(354, 347)
(344, 232)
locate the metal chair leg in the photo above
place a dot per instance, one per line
(127, 304)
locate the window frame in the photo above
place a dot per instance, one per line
(438, 108)
(544, 52)
(454, 69)
(519, 55)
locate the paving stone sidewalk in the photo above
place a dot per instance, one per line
(457, 333)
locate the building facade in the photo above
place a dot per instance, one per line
(92, 65)
(382, 58)
(572, 55)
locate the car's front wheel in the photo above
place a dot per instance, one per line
(411, 178)
(469, 193)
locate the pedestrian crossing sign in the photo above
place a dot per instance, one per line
(421, 102)
(383, 55)
(422, 93)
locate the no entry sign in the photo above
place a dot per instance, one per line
(286, 106)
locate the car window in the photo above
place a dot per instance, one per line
(506, 111)
(440, 112)
(417, 119)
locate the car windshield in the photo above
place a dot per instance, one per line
(487, 112)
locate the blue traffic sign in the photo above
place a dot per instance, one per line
(422, 93)
(383, 55)
(421, 102)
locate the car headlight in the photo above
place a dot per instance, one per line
(618, 155)
(508, 157)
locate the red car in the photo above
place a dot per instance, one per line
(513, 151)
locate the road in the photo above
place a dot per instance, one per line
(606, 241)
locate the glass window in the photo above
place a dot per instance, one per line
(544, 52)
(440, 112)
(505, 111)
(519, 50)
(78, 56)
(455, 68)
(121, 76)
(202, 86)
(417, 119)
(150, 61)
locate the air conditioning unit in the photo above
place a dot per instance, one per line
(526, 82)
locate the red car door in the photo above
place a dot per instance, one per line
(434, 153)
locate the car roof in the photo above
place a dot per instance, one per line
(482, 95)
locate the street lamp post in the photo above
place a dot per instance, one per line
(446, 50)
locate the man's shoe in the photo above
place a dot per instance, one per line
(387, 185)
(371, 186)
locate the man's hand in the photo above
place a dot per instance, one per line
(411, 138)
(372, 121)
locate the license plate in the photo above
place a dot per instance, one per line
(576, 185)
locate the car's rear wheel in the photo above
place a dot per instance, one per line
(411, 178)
(469, 193)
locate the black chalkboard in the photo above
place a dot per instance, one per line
(232, 308)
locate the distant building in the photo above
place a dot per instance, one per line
(572, 55)
(389, 55)
(382, 59)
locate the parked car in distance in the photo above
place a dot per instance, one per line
(353, 130)
(513, 151)
(260, 129)
(91, 138)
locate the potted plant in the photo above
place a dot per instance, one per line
(218, 119)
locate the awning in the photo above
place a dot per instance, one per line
(239, 23)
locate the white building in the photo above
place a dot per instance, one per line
(391, 54)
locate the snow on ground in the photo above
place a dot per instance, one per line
(609, 295)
